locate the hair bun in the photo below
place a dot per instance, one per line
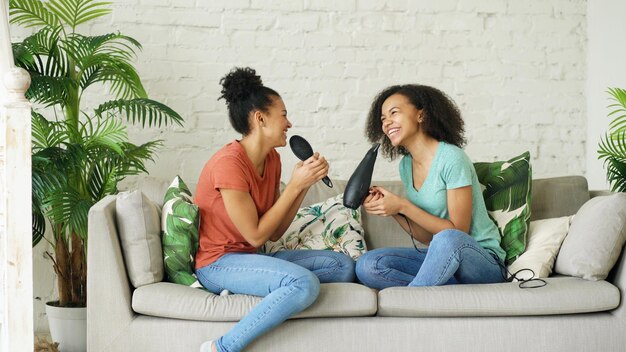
(239, 83)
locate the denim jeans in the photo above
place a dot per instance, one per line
(452, 257)
(289, 281)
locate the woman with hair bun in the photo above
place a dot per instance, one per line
(241, 208)
(444, 207)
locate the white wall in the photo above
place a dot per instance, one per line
(517, 69)
(606, 67)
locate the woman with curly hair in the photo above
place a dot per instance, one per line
(443, 208)
(241, 209)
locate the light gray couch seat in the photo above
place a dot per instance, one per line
(561, 295)
(168, 300)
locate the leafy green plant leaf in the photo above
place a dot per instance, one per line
(31, 13)
(79, 157)
(75, 12)
(142, 111)
(612, 146)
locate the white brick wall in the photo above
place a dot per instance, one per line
(516, 69)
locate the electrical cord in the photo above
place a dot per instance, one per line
(532, 282)
(410, 231)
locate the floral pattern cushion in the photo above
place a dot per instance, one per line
(180, 220)
(507, 193)
(327, 225)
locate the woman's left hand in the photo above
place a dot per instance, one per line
(382, 202)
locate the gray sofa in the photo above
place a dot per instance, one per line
(569, 314)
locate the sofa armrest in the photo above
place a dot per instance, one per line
(617, 277)
(109, 292)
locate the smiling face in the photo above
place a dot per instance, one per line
(400, 119)
(275, 123)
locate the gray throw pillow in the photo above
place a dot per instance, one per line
(595, 238)
(139, 230)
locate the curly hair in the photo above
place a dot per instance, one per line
(442, 119)
(244, 91)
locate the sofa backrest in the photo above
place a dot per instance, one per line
(551, 197)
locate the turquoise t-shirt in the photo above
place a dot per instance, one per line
(452, 169)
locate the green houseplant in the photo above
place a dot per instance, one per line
(612, 147)
(79, 154)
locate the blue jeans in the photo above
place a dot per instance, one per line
(289, 281)
(453, 257)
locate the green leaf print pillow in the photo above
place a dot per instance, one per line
(326, 225)
(507, 193)
(180, 220)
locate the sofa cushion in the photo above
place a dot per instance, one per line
(561, 295)
(180, 220)
(328, 225)
(595, 239)
(555, 197)
(140, 234)
(507, 193)
(176, 301)
(544, 240)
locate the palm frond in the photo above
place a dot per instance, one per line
(48, 91)
(619, 113)
(612, 149)
(133, 161)
(108, 132)
(31, 13)
(38, 222)
(46, 133)
(125, 82)
(141, 110)
(40, 53)
(616, 174)
(107, 58)
(69, 208)
(75, 12)
(22, 56)
(102, 178)
(612, 146)
(46, 179)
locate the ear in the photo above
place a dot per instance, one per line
(259, 118)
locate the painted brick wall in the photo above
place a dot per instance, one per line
(517, 70)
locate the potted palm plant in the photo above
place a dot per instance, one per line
(612, 147)
(79, 154)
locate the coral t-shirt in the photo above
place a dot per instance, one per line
(231, 168)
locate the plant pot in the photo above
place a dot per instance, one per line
(68, 327)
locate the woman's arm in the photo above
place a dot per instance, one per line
(423, 224)
(291, 213)
(257, 230)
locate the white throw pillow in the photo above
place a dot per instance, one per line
(327, 225)
(595, 240)
(544, 240)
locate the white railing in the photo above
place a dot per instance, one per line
(16, 277)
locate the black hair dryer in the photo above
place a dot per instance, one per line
(359, 183)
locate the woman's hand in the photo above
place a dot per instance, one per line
(382, 202)
(307, 172)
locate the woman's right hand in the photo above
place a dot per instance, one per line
(382, 202)
(307, 172)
